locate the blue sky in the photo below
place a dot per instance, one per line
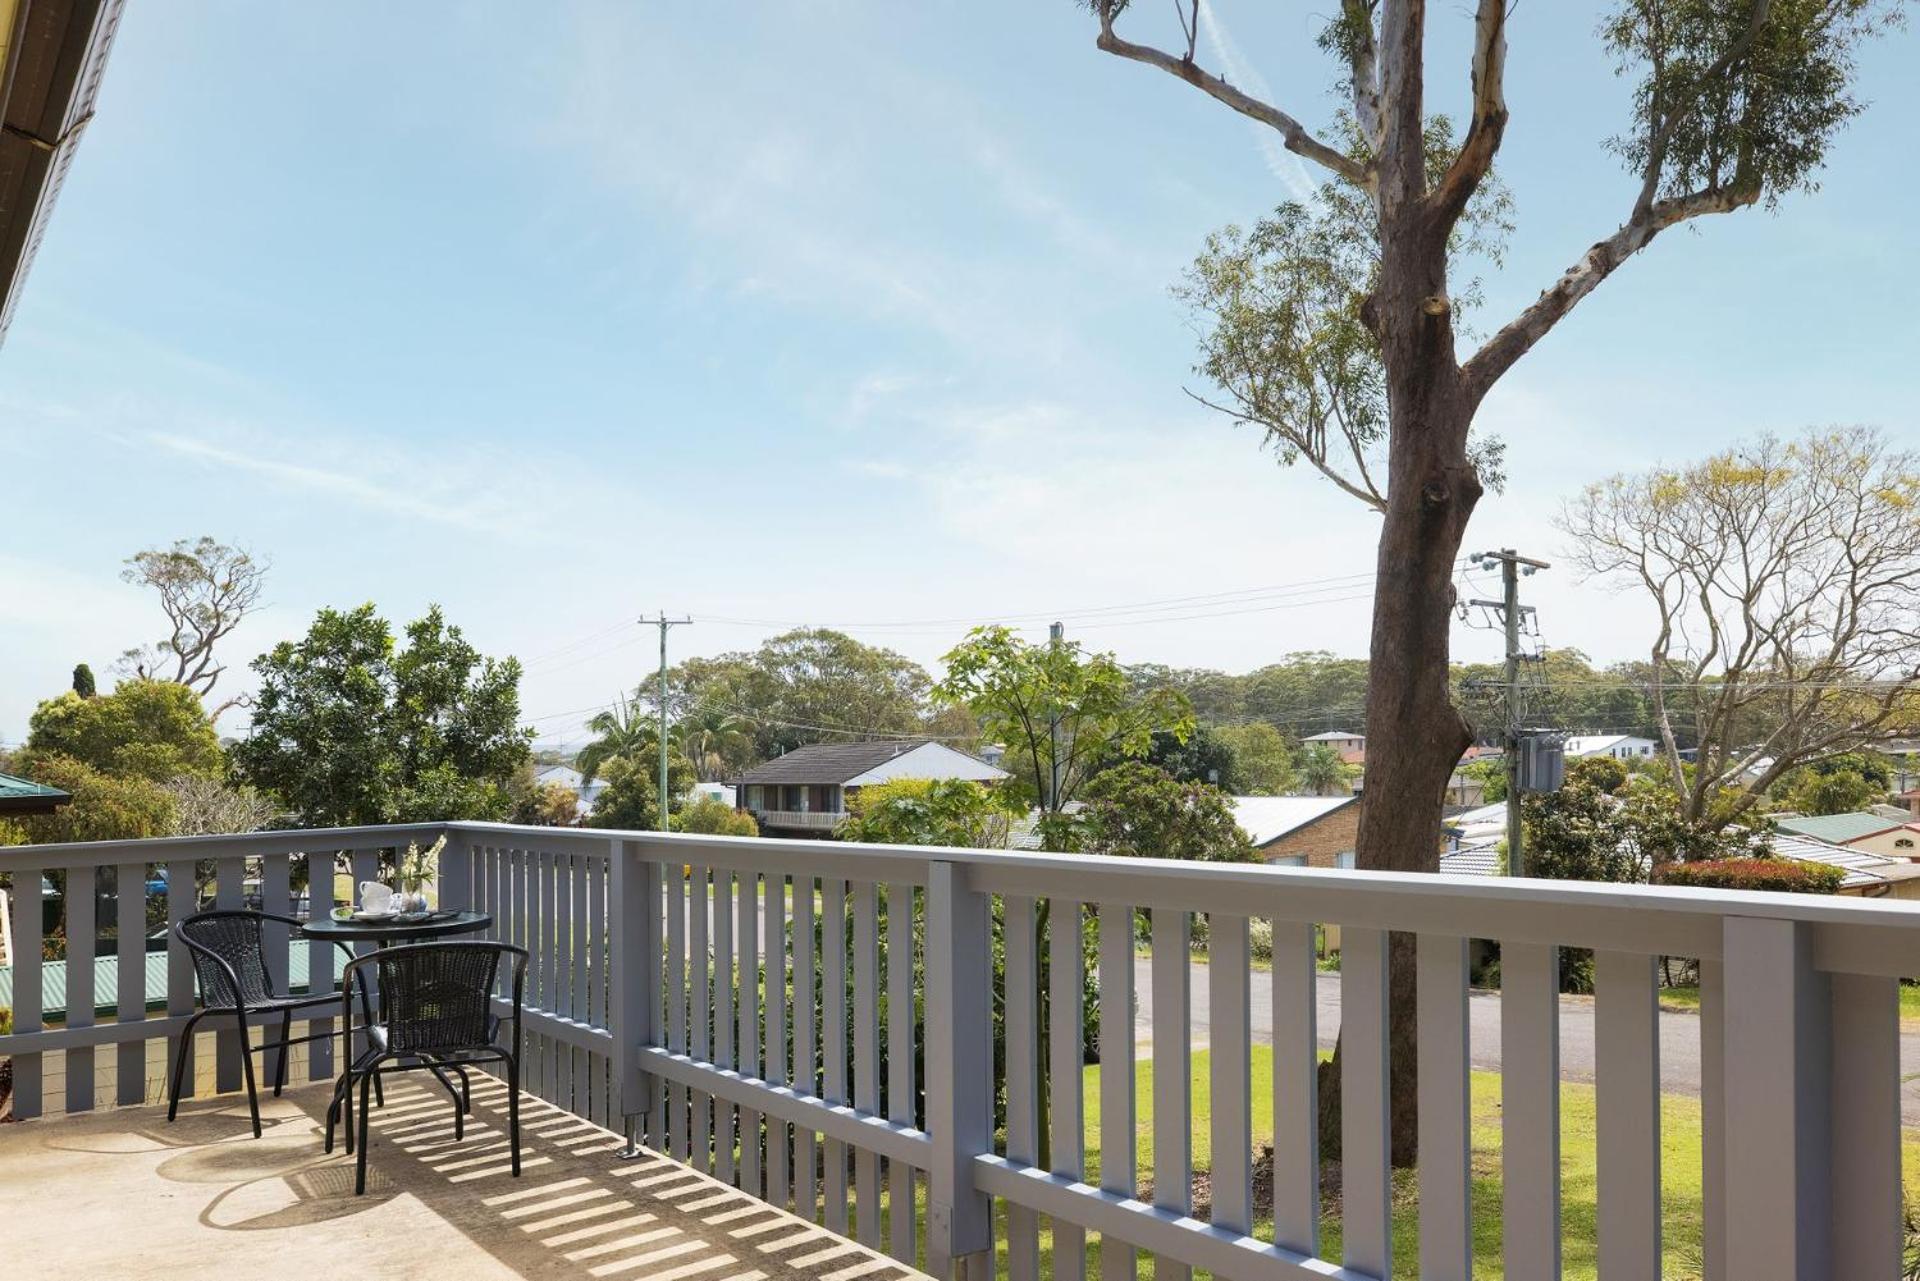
(844, 312)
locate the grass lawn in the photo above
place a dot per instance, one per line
(1688, 998)
(1680, 1167)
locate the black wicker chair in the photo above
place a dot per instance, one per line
(229, 954)
(436, 1015)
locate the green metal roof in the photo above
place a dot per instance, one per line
(1837, 828)
(18, 794)
(106, 982)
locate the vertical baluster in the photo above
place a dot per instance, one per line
(131, 899)
(1172, 1084)
(1446, 1226)
(723, 1042)
(1366, 1201)
(833, 1037)
(1627, 1114)
(83, 933)
(1713, 1122)
(699, 917)
(676, 994)
(1530, 1108)
(599, 989)
(1296, 1095)
(1117, 1171)
(747, 937)
(320, 958)
(806, 1072)
(560, 958)
(866, 1053)
(28, 928)
(1865, 1142)
(1023, 1076)
(229, 894)
(550, 985)
(580, 964)
(900, 1082)
(779, 1150)
(276, 897)
(1230, 1032)
(181, 903)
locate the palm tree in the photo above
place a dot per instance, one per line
(622, 730)
(1322, 770)
(714, 739)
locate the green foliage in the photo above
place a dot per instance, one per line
(1321, 771)
(1137, 810)
(1263, 763)
(83, 682)
(348, 729)
(1018, 690)
(1280, 313)
(1606, 824)
(712, 816)
(1492, 775)
(1837, 784)
(1204, 757)
(146, 728)
(546, 805)
(631, 798)
(624, 729)
(1725, 104)
(1785, 876)
(105, 807)
(920, 811)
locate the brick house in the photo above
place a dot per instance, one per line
(1301, 831)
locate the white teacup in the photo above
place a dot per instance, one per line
(375, 898)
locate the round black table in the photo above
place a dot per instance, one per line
(389, 931)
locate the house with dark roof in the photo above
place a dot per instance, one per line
(804, 793)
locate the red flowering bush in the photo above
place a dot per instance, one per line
(1786, 876)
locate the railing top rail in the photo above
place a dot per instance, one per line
(161, 849)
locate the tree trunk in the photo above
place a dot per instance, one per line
(1414, 733)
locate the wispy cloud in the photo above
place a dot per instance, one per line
(1286, 166)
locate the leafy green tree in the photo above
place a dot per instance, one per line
(1034, 697)
(1606, 824)
(1205, 757)
(712, 816)
(718, 741)
(83, 682)
(631, 798)
(350, 729)
(105, 806)
(1492, 777)
(1265, 764)
(546, 805)
(624, 729)
(1321, 770)
(920, 811)
(1837, 784)
(1137, 810)
(146, 728)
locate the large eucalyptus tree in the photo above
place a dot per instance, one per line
(1734, 103)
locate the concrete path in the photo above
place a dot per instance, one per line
(1679, 1032)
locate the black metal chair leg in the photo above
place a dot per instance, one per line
(513, 1111)
(246, 1062)
(280, 1067)
(360, 1157)
(180, 1065)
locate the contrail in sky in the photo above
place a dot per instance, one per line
(1285, 166)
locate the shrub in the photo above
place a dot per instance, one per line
(715, 817)
(1785, 876)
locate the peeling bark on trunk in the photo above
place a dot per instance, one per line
(1414, 733)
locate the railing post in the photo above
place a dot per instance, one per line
(634, 962)
(1776, 1058)
(959, 1065)
(454, 877)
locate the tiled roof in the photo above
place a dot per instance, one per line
(20, 795)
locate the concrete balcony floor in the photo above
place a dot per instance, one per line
(122, 1193)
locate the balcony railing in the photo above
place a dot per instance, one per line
(799, 820)
(815, 1023)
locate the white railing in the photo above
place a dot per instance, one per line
(799, 820)
(816, 1023)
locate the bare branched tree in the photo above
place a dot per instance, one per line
(1785, 578)
(206, 588)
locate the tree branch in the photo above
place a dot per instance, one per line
(1579, 280)
(1489, 125)
(1292, 133)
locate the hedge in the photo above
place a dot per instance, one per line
(1787, 876)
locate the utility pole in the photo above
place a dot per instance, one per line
(1055, 634)
(663, 623)
(1512, 566)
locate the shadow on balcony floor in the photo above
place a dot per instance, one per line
(123, 1193)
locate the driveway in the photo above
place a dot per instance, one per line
(1679, 1032)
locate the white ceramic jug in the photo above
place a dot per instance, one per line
(375, 897)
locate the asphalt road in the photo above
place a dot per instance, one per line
(1679, 1032)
